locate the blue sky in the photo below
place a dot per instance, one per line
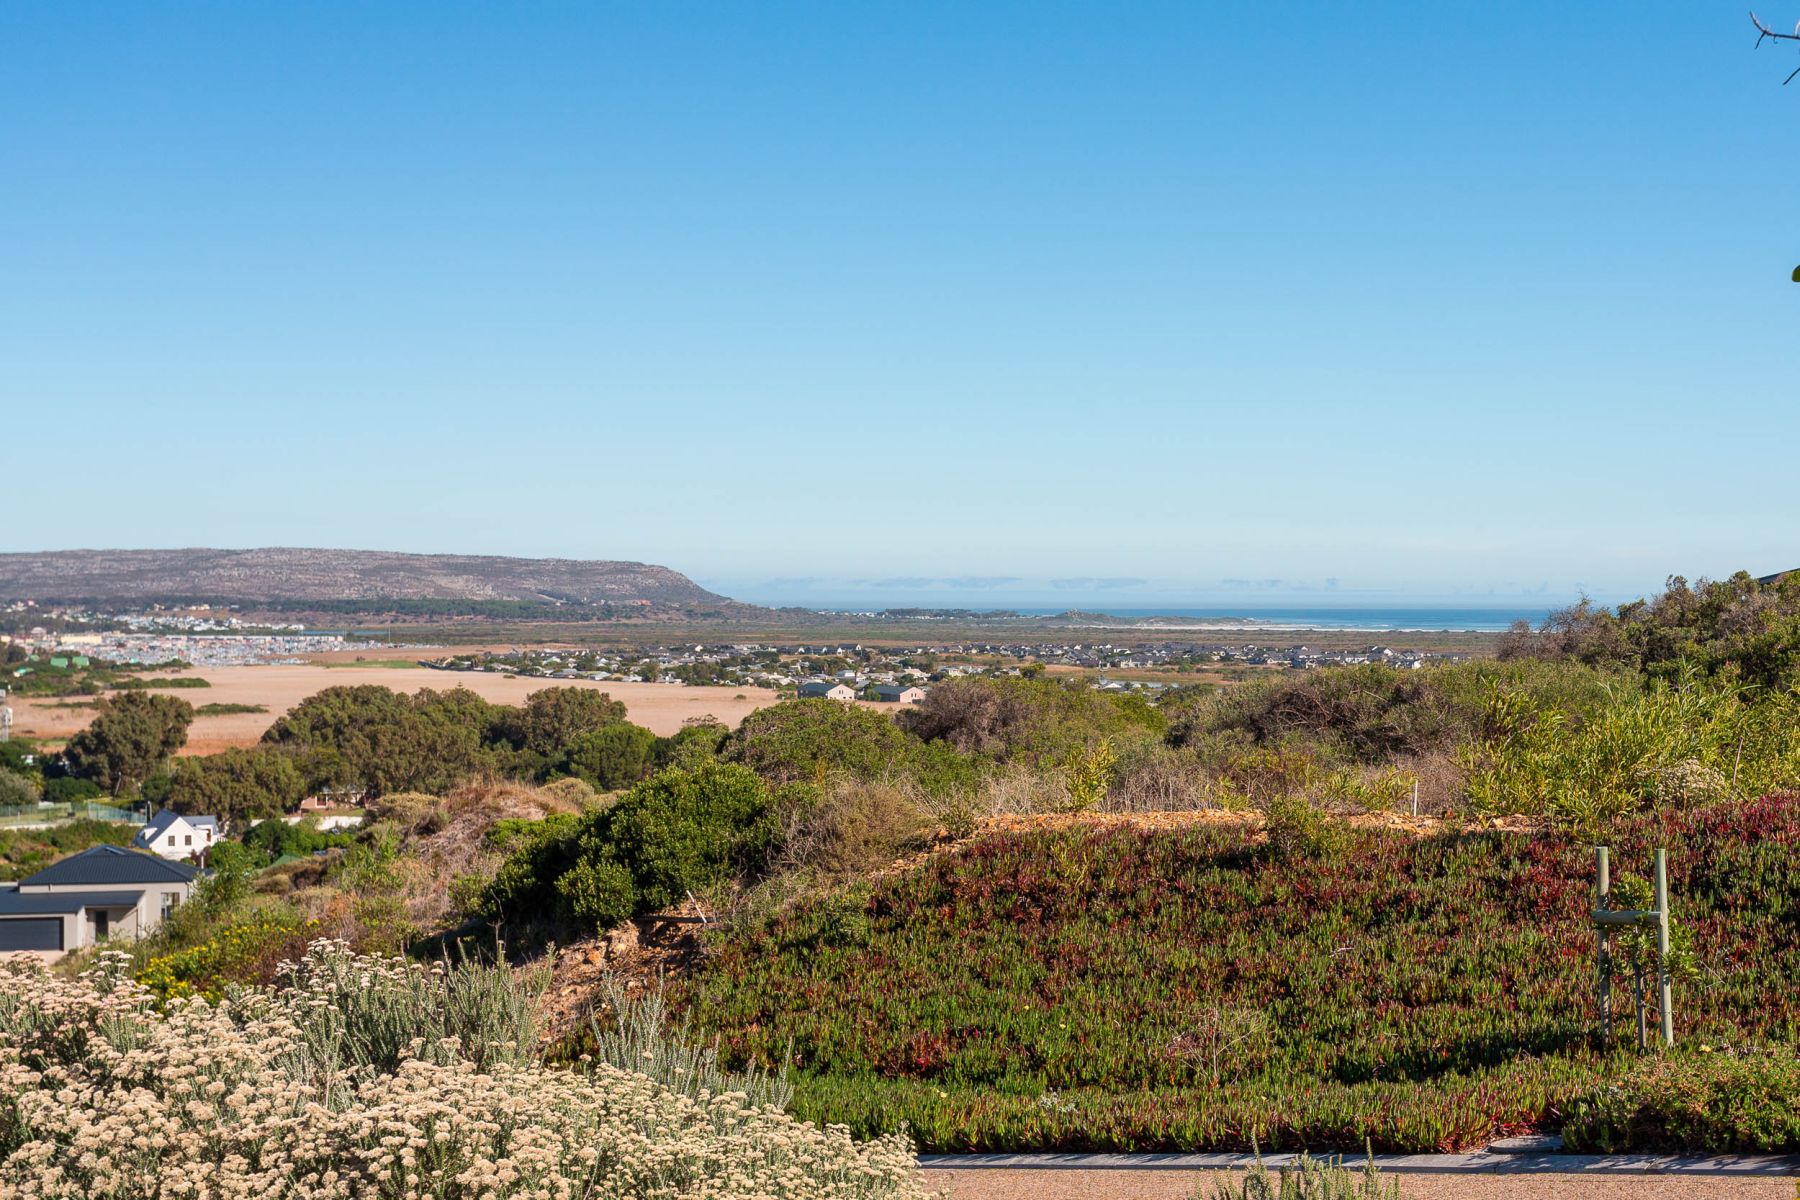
(848, 301)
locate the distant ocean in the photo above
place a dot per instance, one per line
(1374, 619)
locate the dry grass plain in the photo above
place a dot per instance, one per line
(659, 707)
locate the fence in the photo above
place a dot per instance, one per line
(17, 815)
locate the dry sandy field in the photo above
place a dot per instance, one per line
(660, 707)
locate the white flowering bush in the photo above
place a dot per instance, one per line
(267, 1095)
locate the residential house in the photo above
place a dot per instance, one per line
(174, 836)
(334, 799)
(899, 694)
(827, 688)
(104, 892)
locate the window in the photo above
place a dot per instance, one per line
(169, 901)
(189, 840)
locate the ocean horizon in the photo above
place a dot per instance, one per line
(1374, 618)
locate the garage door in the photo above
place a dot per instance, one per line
(31, 933)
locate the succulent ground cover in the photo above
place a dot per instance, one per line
(1200, 988)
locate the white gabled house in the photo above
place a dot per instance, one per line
(174, 836)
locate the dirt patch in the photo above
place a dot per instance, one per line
(639, 954)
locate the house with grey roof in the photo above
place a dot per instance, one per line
(83, 900)
(179, 837)
(826, 688)
(895, 693)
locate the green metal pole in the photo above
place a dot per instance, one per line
(1602, 890)
(1665, 1001)
(1637, 995)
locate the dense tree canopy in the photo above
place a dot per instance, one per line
(237, 785)
(1035, 720)
(132, 735)
(1738, 626)
(801, 739)
(388, 742)
(552, 719)
(612, 756)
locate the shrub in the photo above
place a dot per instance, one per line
(1297, 829)
(17, 790)
(687, 830)
(68, 789)
(341, 1085)
(598, 893)
(678, 831)
(852, 826)
(699, 740)
(1308, 1178)
(245, 951)
(808, 739)
(1673, 741)
(634, 1033)
(614, 756)
(1090, 775)
(1037, 721)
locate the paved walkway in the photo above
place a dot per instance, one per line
(1478, 1176)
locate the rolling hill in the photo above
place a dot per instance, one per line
(287, 577)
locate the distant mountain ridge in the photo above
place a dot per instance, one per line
(290, 575)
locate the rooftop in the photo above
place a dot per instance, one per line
(102, 865)
(16, 903)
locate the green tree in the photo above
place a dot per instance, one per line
(699, 740)
(237, 785)
(130, 737)
(613, 756)
(801, 739)
(553, 718)
(378, 739)
(17, 790)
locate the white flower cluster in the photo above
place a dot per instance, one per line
(103, 1096)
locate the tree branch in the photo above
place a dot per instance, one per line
(1764, 32)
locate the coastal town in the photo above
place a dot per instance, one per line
(865, 670)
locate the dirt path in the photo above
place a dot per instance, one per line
(1064, 1184)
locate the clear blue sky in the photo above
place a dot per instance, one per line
(1427, 300)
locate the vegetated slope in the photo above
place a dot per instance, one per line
(1193, 990)
(284, 574)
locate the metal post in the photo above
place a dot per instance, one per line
(1637, 995)
(1665, 1000)
(1602, 890)
(1415, 797)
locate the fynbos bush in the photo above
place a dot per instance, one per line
(275, 1095)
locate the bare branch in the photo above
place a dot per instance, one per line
(1763, 31)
